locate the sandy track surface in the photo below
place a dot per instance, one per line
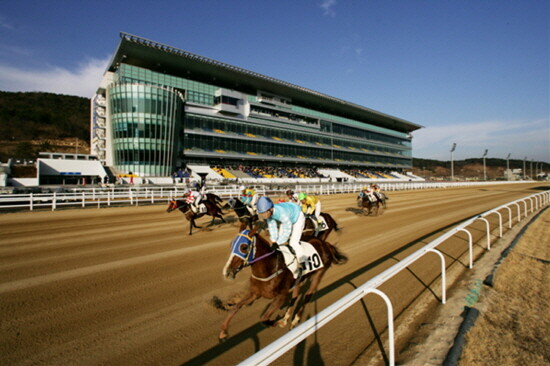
(128, 286)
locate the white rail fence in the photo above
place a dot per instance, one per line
(280, 346)
(125, 195)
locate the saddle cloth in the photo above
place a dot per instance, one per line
(202, 208)
(308, 257)
(322, 225)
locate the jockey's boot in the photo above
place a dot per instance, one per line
(289, 262)
(316, 225)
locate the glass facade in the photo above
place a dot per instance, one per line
(145, 120)
(159, 121)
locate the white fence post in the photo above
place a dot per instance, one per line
(470, 245)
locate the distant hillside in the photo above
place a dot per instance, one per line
(32, 122)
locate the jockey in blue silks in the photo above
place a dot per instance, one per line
(286, 223)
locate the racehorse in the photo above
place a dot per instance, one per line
(271, 279)
(214, 198)
(242, 212)
(367, 206)
(381, 198)
(309, 228)
(212, 209)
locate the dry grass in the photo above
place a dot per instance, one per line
(514, 325)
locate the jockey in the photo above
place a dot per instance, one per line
(193, 198)
(368, 192)
(377, 192)
(285, 223)
(311, 206)
(292, 197)
(250, 198)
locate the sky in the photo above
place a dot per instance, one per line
(475, 73)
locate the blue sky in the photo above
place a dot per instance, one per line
(471, 72)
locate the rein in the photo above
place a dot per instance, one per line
(248, 263)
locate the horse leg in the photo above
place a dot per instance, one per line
(316, 279)
(277, 302)
(225, 325)
(290, 310)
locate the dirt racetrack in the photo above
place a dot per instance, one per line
(128, 286)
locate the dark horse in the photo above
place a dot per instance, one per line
(309, 229)
(214, 198)
(212, 209)
(242, 211)
(368, 207)
(271, 279)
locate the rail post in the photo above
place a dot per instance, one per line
(470, 246)
(519, 211)
(443, 275)
(31, 201)
(488, 232)
(54, 201)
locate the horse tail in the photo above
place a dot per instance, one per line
(329, 219)
(217, 198)
(337, 256)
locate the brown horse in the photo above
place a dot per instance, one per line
(368, 207)
(214, 198)
(309, 229)
(271, 279)
(212, 209)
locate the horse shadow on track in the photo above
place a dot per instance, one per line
(312, 353)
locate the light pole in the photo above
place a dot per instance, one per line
(531, 169)
(452, 163)
(484, 170)
(524, 159)
(508, 166)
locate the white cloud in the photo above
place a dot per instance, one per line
(5, 24)
(328, 7)
(82, 82)
(529, 139)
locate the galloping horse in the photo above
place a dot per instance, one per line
(212, 209)
(368, 207)
(309, 229)
(242, 211)
(271, 279)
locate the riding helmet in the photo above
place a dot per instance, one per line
(264, 204)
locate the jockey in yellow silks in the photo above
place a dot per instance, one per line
(250, 198)
(311, 206)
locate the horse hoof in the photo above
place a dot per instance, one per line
(222, 340)
(268, 323)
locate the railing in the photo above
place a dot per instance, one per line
(280, 346)
(136, 195)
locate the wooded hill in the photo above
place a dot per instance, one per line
(33, 122)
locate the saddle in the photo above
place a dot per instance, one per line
(201, 209)
(308, 258)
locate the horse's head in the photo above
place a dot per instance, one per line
(242, 251)
(172, 205)
(230, 203)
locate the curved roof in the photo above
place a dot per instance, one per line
(158, 57)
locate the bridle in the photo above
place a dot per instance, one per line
(247, 261)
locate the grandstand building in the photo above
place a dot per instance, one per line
(159, 108)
